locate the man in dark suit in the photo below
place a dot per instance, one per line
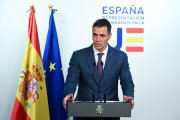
(83, 71)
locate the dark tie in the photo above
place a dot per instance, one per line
(100, 66)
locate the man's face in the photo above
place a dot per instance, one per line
(100, 37)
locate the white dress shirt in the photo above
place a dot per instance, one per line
(103, 56)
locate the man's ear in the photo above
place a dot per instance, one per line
(109, 36)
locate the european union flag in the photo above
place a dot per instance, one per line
(53, 73)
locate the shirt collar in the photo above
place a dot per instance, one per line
(96, 51)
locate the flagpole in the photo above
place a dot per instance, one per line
(54, 74)
(50, 8)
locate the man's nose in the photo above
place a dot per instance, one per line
(98, 38)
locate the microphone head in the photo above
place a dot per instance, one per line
(94, 64)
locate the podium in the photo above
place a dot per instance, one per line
(99, 109)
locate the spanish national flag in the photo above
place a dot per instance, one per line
(31, 98)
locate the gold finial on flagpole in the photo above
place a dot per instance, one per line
(50, 6)
(31, 5)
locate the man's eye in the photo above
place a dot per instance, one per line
(103, 36)
(94, 35)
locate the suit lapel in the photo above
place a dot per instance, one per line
(92, 64)
(108, 65)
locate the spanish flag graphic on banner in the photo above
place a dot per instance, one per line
(31, 98)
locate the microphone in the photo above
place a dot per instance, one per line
(93, 93)
(102, 64)
(104, 81)
(104, 98)
(102, 70)
(104, 95)
(94, 64)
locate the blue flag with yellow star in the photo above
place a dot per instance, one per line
(53, 73)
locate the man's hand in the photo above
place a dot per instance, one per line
(68, 98)
(130, 100)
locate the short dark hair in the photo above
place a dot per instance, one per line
(102, 23)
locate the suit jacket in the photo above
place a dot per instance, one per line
(82, 72)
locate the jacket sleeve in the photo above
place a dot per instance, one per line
(72, 77)
(126, 80)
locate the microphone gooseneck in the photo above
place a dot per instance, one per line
(93, 93)
(104, 95)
